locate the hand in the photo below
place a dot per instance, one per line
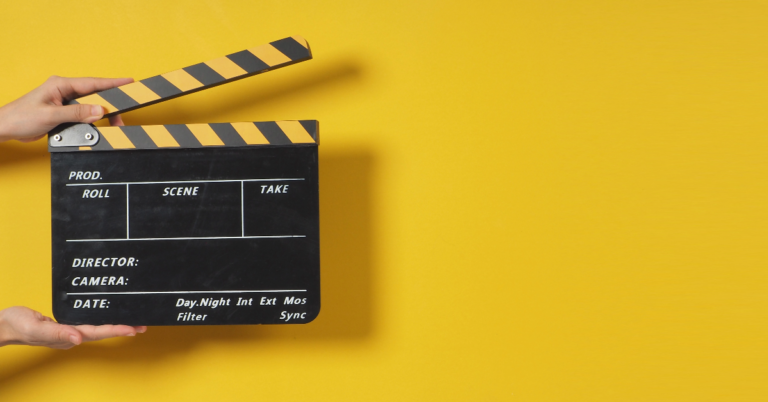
(23, 326)
(30, 117)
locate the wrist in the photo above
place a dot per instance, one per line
(6, 337)
(5, 135)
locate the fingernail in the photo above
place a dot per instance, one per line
(131, 334)
(73, 339)
(97, 110)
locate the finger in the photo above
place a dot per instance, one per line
(95, 333)
(116, 120)
(71, 88)
(57, 335)
(75, 114)
(141, 329)
(33, 139)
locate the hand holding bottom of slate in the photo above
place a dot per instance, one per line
(24, 326)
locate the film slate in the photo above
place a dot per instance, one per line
(187, 224)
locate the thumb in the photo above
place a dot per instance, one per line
(67, 335)
(77, 114)
(56, 335)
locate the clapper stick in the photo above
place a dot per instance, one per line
(197, 77)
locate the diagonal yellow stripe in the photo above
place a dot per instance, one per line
(182, 80)
(268, 54)
(85, 148)
(250, 133)
(139, 92)
(116, 137)
(226, 67)
(205, 134)
(96, 99)
(160, 136)
(295, 132)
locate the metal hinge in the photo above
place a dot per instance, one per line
(73, 135)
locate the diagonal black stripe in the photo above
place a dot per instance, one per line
(204, 74)
(273, 133)
(311, 127)
(248, 62)
(162, 87)
(183, 136)
(139, 137)
(291, 48)
(117, 98)
(228, 134)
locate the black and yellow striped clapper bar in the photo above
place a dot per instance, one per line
(187, 224)
(277, 54)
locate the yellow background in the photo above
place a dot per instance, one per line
(534, 201)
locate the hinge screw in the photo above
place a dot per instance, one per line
(88, 136)
(57, 137)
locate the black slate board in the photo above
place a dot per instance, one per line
(240, 245)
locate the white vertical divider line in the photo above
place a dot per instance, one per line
(127, 213)
(242, 208)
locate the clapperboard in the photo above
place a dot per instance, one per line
(187, 224)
